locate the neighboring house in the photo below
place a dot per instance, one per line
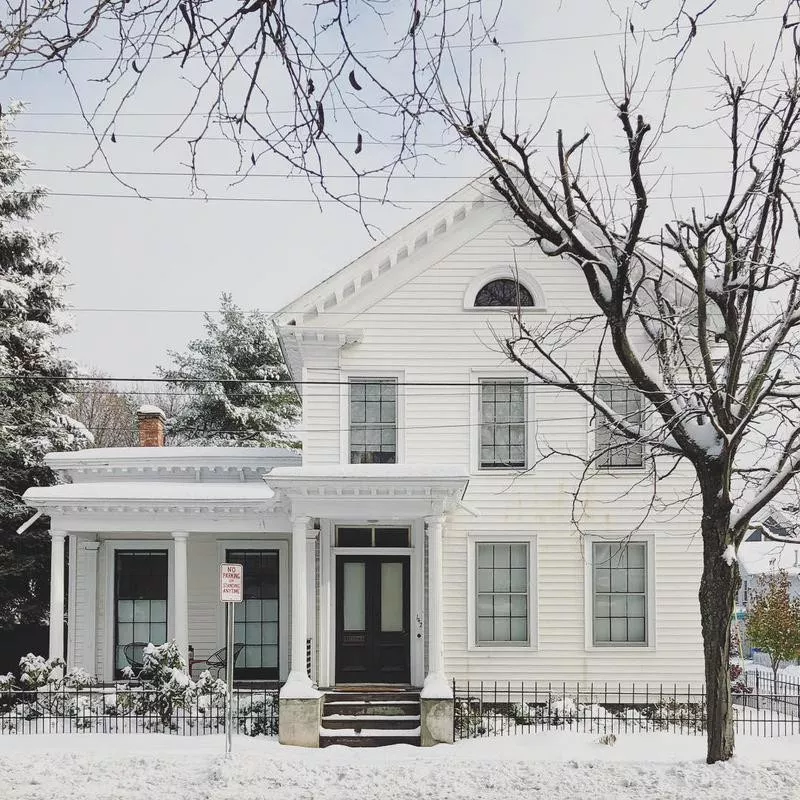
(419, 541)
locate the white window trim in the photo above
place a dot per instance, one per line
(523, 277)
(344, 409)
(111, 546)
(473, 539)
(284, 594)
(588, 544)
(476, 376)
(592, 425)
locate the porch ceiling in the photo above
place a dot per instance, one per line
(383, 491)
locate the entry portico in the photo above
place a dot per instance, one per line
(379, 582)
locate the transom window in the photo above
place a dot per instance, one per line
(373, 421)
(140, 601)
(614, 449)
(503, 292)
(503, 593)
(619, 593)
(503, 425)
(367, 536)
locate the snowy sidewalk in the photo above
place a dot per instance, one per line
(550, 765)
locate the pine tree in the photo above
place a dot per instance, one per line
(241, 397)
(33, 412)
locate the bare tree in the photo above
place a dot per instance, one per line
(107, 413)
(696, 312)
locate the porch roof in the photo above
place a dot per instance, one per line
(370, 490)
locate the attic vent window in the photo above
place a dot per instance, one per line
(503, 292)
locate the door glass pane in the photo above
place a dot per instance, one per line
(354, 595)
(391, 596)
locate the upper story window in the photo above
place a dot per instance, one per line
(613, 448)
(373, 421)
(503, 424)
(503, 292)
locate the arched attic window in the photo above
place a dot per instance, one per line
(503, 292)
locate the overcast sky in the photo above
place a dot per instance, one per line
(155, 264)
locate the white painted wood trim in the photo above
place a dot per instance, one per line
(72, 599)
(57, 543)
(652, 600)
(533, 590)
(89, 655)
(284, 596)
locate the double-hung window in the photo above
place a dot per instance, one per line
(503, 427)
(614, 448)
(373, 421)
(503, 593)
(619, 593)
(140, 600)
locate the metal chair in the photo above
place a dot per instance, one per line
(134, 655)
(218, 660)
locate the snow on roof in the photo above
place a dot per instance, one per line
(250, 457)
(371, 471)
(760, 558)
(144, 491)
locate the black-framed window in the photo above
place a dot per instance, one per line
(504, 292)
(368, 536)
(614, 449)
(256, 622)
(141, 588)
(619, 593)
(503, 589)
(503, 424)
(373, 421)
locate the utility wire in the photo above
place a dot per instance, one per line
(455, 46)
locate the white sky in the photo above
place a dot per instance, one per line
(180, 255)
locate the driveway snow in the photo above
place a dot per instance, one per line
(548, 765)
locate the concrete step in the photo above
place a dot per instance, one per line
(373, 738)
(377, 696)
(366, 723)
(371, 707)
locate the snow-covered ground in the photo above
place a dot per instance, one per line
(549, 765)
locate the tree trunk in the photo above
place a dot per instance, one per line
(718, 588)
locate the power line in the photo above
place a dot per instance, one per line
(365, 143)
(502, 100)
(455, 46)
(345, 198)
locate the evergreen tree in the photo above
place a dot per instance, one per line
(33, 412)
(241, 397)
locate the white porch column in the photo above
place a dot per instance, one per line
(57, 593)
(181, 583)
(88, 658)
(436, 685)
(298, 681)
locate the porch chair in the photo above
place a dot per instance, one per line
(134, 655)
(217, 662)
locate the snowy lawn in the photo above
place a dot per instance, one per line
(545, 765)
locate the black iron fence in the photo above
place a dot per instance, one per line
(135, 709)
(762, 708)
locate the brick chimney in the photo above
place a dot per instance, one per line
(151, 426)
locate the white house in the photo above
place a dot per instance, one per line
(420, 540)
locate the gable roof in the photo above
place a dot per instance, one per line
(389, 255)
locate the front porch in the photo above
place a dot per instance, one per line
(342, 571)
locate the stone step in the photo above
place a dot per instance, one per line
(372, 738)
(366, 723)
(373, 697)
(373, 708)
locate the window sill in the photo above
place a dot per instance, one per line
(506, 309)
(491, 648)
(615, 648)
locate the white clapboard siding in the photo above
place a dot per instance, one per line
(422, 331)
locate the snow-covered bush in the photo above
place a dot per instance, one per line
(37, 671)
(257, 717)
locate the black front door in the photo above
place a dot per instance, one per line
(372, 619)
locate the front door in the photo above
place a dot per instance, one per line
(372, 619)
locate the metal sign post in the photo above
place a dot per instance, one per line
(231, 591)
